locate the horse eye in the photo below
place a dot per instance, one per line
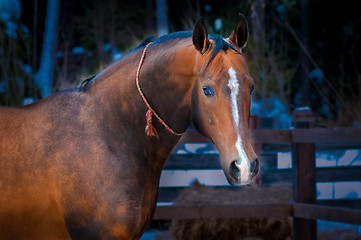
(252, 89)
(208, 91)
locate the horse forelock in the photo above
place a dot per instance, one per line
(220, 45)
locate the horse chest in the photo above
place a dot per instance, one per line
(118, 201)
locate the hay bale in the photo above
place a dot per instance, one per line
(201, 194)
(255, 228)
(233, 228)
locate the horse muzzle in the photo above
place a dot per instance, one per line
(240, 172)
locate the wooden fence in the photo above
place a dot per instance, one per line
(302, 141)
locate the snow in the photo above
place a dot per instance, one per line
(208, 8)
(11, 7)
(78, 50)
(107, 47)
(338, 190)
(332, 158)
(11, 27)
(148, 236)
(274, 109)
(28, 100)
(59, 54)
(116, 54)
(218, 24)
(197, 148)
(184, 178)
(316, 74)
(3, 86)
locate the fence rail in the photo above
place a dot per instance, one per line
(224, 211)
(307, 211)
(310, 135)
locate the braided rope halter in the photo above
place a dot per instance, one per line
(150, 129)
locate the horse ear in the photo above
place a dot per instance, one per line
(200, 36)
(239, 36)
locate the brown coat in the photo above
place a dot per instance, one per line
(79, 164)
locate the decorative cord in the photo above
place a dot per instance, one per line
(150, 129)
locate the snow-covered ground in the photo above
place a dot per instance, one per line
(334, 158)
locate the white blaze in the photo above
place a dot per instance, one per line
(234, 86)
(243, 165)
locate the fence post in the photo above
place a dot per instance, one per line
(304, 184)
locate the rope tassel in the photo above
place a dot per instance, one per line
(150, 129)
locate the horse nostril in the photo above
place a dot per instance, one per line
(234, 171)
(254, 167)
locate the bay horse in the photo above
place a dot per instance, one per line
(85, 163)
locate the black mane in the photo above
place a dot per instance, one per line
(219, 41)
(145, 43)
(176, 35)
(221, 44)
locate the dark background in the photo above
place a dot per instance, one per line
(291, 41)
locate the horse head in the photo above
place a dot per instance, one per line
(221, 99)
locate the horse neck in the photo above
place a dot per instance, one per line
(166, 79)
